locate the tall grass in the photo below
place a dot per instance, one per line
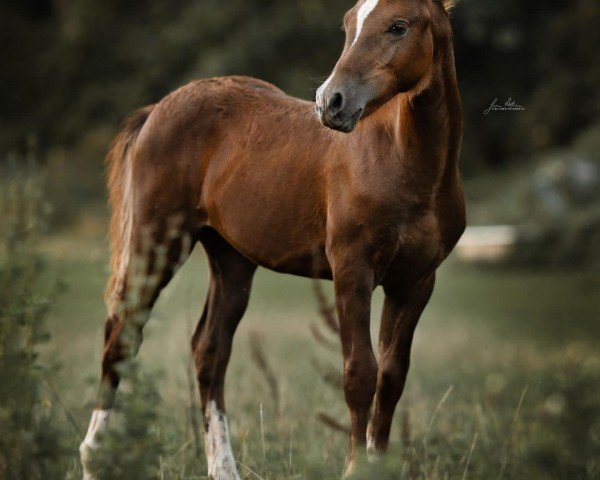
(520, 352)
(31, 436)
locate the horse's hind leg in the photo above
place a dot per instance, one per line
(230, 283)
(151, 262)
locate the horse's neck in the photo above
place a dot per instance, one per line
(423, 131)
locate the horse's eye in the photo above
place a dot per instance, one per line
(399, 28)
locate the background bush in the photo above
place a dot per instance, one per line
(31, 442)
(70, 67)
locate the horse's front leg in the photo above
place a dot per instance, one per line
(401, 313)
(354, 283)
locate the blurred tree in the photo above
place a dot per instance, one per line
(69, 67)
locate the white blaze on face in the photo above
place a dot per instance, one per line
(221, 464)
(363, 12)
(98, 424)
(321, 90)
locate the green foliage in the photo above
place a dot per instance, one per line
(132, 447)
(570, 445)
(31, 445)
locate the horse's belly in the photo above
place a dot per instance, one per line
(295, 251)
(277, 228)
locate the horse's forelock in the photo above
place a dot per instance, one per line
(448, 4)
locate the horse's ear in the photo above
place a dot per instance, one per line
(449, 4)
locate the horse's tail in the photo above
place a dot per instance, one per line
(120, 186)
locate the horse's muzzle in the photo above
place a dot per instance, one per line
(342, 121)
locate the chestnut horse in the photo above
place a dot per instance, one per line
(253, 175)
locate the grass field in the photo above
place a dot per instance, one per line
(505, 378)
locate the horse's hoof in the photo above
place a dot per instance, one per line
(221, 463)
(225, 472)
(85, 454)
(349, 470)
(373, 454)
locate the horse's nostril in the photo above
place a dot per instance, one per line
(335, 104)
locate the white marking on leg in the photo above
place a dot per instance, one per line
(372, 453)
(98, 424)
(363, 12)
(221, 464)
(371, 444)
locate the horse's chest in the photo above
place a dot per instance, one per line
(391, 231)
(418, 243)
(421, 243)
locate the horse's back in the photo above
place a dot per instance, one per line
(190, 125)
(205, 104)
(209, 109)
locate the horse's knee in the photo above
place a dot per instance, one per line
(360, 380)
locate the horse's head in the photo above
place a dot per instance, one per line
(389, 49)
